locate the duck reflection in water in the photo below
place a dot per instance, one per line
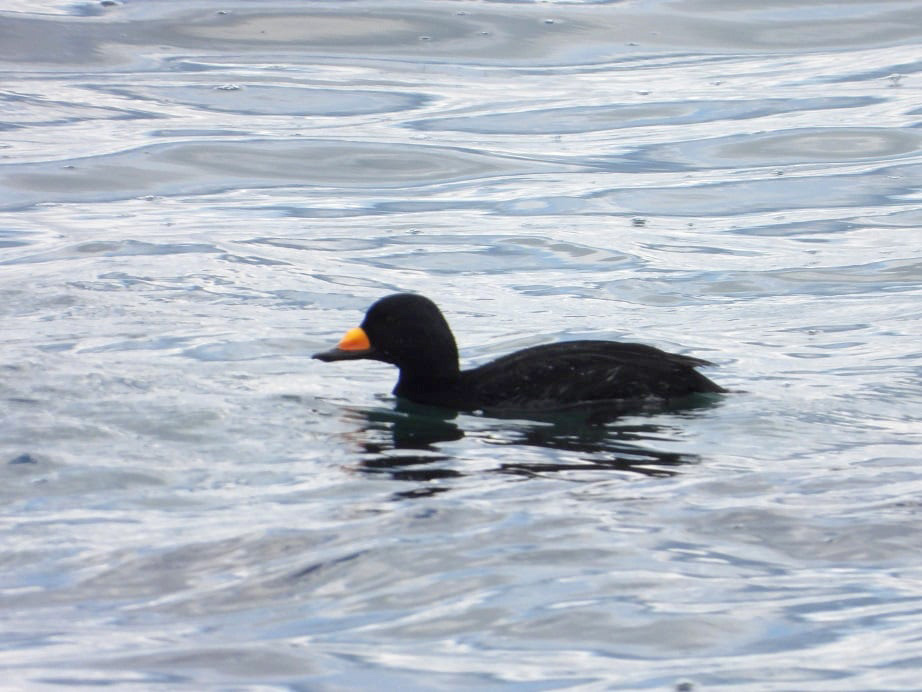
(412, 442)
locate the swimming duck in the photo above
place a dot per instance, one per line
(409, 331)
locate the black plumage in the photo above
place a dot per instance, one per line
(409, 331)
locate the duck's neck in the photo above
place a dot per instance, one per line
(416, 384)
(428, 363)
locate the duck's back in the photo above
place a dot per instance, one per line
(572, 372)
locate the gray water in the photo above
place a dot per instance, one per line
(195, 197)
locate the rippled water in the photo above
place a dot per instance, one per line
(195, 197)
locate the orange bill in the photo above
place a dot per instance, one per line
(354, 340)
(355, 344)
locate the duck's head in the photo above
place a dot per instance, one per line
(406, 330)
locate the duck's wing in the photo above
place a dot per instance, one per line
(585, 371)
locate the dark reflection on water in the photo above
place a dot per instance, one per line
(403, 445)
(404, 442)
(611, 447)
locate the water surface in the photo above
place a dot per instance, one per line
(196, 197)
